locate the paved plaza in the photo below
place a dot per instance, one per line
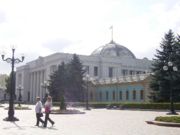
(94, 122)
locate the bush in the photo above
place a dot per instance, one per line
(175, 119)
(62, 103)
(125, 105)
(134, 105)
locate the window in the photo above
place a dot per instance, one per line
(141, 94)
(124, 72)
(137, 72)
(95, 71)
(134, 95)
(120, 95)
(107, 95)
(100, 96)
(111, 72)
(131, 72)
(91, 96)
(127, 95)
(114, 96)
(87, 69)
(28, 95)
(53, 68)
(19, 79)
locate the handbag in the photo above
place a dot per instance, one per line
(47, 109)
(41, 115)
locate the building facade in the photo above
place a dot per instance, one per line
(131, 88)
(109, 61)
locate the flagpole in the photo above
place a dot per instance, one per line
(111, 33)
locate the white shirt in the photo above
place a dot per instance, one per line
(48, 104)
(38, 107)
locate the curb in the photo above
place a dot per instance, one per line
(168, 124)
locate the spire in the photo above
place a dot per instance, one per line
(111, 28)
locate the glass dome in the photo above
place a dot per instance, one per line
(113, 49)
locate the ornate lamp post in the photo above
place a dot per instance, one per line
(20, 88)
(87, 91)
(45, 85)
(170, 68)
(12, 61)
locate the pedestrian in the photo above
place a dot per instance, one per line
(38, 109)
(48, 106)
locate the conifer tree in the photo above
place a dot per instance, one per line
(161, 79)
(58, 84)
(76, 79)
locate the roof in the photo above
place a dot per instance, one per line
(113, 49)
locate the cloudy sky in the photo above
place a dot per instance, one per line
(42, 27)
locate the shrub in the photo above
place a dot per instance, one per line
(175, 119)
(135, 105)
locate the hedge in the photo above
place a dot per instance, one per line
(126, 105)
(136, 105)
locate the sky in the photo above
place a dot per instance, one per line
(43, 27)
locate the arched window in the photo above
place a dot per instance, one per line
(91, 96)
(120, 95)
(134, 95)
(142, 94)
(127, 95)
(114, 95)
(107, 95)
(100, 96)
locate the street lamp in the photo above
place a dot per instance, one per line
(20, 88)
(45, 86)
(170, 67)
(12, 61)
(87, 91)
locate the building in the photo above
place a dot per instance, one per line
(3, 94)
(107, 62)
(130, 88)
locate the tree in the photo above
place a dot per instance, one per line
(58, 84)
(76, 82)
(66, 84)
(160, 83)
(8, 83)
(177, 74)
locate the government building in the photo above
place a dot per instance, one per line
(115, 74)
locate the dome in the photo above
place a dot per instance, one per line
(113, 49)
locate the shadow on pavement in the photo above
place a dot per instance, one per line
(25, 127)
(16, 126)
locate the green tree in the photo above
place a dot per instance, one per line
(76, 82)
(161, 79)
(8, 83)
(58, 84)
(176, 85)
(66, 84)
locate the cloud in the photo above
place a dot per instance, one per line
(43, 27)
(2, 17)
(57, 44)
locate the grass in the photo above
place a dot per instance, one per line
(67, 111)
(174, 119)
(21, 107)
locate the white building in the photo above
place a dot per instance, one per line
(109, 61)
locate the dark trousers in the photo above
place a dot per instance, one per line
(47, 119)
(39, 119)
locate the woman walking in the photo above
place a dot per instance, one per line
(48, 106)
(38, 110)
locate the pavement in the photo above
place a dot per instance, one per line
(93, 122)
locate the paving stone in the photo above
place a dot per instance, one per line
(94, 122)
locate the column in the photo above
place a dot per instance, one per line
(38, 81)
